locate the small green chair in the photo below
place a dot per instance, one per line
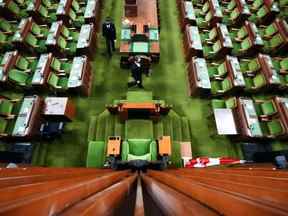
(20, 77)
(273, 128)
(6, 126)
(218, 71)
(265, 109)
(221, 87)
(57, 82)
(6, 27)
(6, 107)
(229, 103)
(255, 83)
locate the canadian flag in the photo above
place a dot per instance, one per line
(201, 162)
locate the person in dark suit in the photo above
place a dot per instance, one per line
(136, 70)
(109, 32)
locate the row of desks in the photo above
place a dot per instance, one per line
(79, 77)
(243, 119)
(90, 10)
(85, 45)
(200, 81)
(193, 42)
(140, 32)
(34, 110)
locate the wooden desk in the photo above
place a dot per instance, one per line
(192, 42)
(282, 107)
(23, 29)
(267, 68)
(6, 64)
(87, 40)
(80, 76)
(147, 110)
(198, 77)
(164, 145)
(59, 109)
(63, 11)
(92, 12)
(225, 40)
(247, 119)
(244, 11)
(254, 36)
(147, 15)
(28, 120)
(234, 72)
(188, 16)
(216, 11)
(42, 71)
(225, 122)
(283, 31)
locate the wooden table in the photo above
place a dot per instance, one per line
(247, 119)
(198, 77)
(234, 72)
(147, 17)
(6, 64)
(80, 76)
(28, 120)
(59, 109)
(42, 71)
(225, 122)
(192, 42)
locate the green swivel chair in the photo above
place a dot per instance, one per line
(20, 78)
(265, 108)
(219, 71)
(6, 126)
(273, 128)
(281, 65)
(221, 86)
(249, 67)
(229, 103)
(58, 83)
(61, 67)
(139, 149)
(256, 82)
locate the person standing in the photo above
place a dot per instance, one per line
(109, 32)
(136, 70)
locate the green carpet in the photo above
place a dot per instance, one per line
(168, 82)
(141, 129)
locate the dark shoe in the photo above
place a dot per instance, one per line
(131, 84)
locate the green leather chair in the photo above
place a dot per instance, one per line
(219, 71)
(6, 126)
(273, 128)
(229, 103)
(221, 86)
(57, 82)
(61, 67)
(265, 109)
(255, 83)
(139, 149)
(281, 65)
(20, 78)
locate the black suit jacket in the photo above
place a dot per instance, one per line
(109, 30)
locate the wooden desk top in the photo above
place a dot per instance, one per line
(147, 14)
(144, 105)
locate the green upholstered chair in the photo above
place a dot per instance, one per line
(6, 26)
(217, 71)
(22, 63)
(269, 31)
(6, 107)
(281, 65)
(61, 42)
(273, 128)
(232, 4)
(57, 82)
(139, 149)
(211, 51)
(6, 126)
(265, 109)
(205, 8)
(5, 41)
(255, 83)
(37, 44)
(256, 5)
(20, 78)
(275, 41)
(77, 19)
(229, 103)
(71, 48)
(221, 87)
(14, 8)
(39, 31)
(61, 66)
